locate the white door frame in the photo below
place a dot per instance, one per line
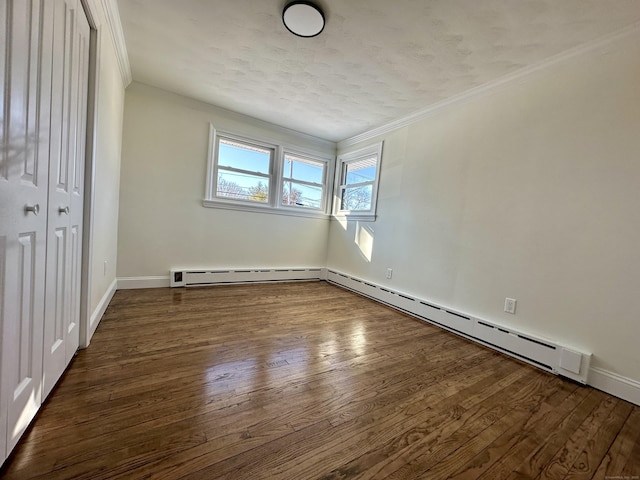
(91, 11)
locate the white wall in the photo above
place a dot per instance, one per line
(103, 197)
(162, 221)
(530, 192)
(107, 174)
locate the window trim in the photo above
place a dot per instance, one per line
(326, 186)
(216, 168)
(339, 184)
(276, 178)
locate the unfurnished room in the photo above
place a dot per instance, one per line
(320, 239)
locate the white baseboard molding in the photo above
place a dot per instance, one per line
(97, 314)
(129, 283)
(614, 384)
(198, 277)
(221, 277)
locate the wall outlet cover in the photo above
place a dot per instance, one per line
(510, 305)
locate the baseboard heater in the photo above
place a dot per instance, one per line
(542, 353)
(202, 277)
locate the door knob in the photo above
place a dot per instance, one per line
(35, 209)
(64, 210)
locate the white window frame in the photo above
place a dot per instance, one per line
(326, 194)
(275, 181)
(269, 178)
(340, 178)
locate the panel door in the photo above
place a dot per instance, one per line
(77, 163)
(24, 73)
(66, 179)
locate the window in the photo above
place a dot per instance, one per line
(357, 183)
(243, 171)
(249, 174)
(303, 182)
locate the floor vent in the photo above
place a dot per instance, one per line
(202, 277)
(541, 353)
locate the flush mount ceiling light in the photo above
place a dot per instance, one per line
(304, 19)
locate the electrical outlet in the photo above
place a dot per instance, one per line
(389, 272)
(510, 305)
(104, 270)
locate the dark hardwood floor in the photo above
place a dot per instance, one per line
(308, 381)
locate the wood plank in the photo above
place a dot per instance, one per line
(305, 381)
(621, 460)
(489, 448)
(596, 447)
(377, 426)
(229, 446)
(568, 455)
(532, 456)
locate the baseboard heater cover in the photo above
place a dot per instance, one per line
(550, 356)
(202, 277)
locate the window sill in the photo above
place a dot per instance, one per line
(264, 209)
(361, 217)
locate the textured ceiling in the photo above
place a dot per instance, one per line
(376, 60)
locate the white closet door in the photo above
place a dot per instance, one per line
(24, 72)
(44, 62)
(66, 163)
(77, 162)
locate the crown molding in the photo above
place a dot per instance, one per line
(490, 87)
(112, 16)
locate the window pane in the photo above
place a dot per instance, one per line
(302, 169)
(301, 195)
(242, 186)
(361, 171)
(357, 198)
(244, 157)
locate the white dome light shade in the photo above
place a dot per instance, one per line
(303, 18)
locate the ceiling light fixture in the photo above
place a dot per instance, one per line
(302, 18)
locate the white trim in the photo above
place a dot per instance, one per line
(93, 102)
(198, 277)
(489, 87)
(237, 275)
(345, 158)
(91, 9)
(323, 273)
(364, 217)
(614, 384)
(275, 177)
(215, 138)
(129, 283)
(98, 313)
(112, 15)
(211, 163)
(325, 186)
(217, 203)
(261, 140)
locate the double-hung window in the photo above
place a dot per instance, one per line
(357, 183)
(304, 182)
(254, 175)
(243, 170)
